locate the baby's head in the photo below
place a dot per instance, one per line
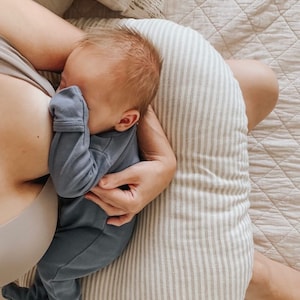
(118, 72)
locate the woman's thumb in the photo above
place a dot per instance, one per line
(114, 180)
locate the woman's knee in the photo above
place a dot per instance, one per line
(264, 83)
(259, 86)
(259, 286)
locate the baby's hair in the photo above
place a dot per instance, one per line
(135, 55)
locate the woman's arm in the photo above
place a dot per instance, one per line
(42, 37)
(146, 179)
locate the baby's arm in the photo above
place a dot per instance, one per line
(74, 168)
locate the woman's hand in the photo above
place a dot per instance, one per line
(146, 180)
(122, 205)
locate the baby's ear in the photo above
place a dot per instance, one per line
(129, 118)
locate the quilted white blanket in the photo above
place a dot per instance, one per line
(267, 31)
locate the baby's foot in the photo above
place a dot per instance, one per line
(14, 292)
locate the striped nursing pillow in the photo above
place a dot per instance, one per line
(195, 240)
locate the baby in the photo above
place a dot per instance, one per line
(108, 82)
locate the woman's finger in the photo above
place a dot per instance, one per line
(117, 216)
(109, 209)
(114, 180)
(120, 220)
(122, 199)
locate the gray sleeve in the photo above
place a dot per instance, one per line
(74, 168)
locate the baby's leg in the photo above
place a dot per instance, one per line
(259, 86)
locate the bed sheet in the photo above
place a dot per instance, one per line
(267, 30)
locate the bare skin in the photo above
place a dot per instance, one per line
(23, 157)
(272, 281)
(259, 87)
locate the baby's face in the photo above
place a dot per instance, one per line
(92, 74)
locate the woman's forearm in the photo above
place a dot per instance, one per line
(43, 38)
(154, 145)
